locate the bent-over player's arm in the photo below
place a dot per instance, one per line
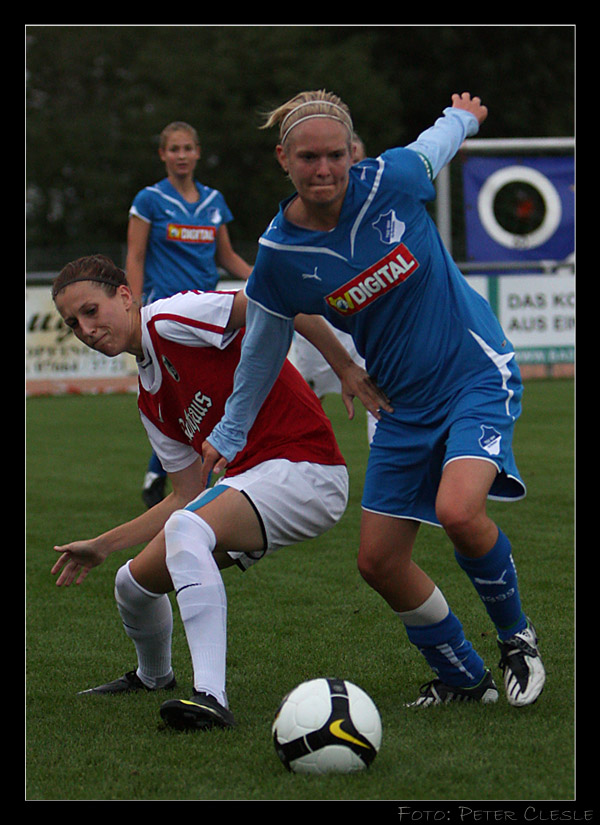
(79, 557)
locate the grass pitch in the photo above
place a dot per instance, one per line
(302, 613)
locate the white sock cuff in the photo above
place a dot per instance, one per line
(433, 610)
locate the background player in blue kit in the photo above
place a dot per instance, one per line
(355, 243)
(177, 237)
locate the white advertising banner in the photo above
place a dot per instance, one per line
(537, 313)
(57, 362)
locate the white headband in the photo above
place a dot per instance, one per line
(346, 120)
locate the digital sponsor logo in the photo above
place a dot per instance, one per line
(377, 280)
(191, 234)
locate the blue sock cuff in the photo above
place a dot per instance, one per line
(431, 635)
(494, 560)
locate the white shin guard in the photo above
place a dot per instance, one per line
(148, 621)
(201, 598)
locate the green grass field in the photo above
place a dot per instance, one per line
(302, 613)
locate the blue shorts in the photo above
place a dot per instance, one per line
(407, 458)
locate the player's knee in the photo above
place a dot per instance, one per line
(172, 526)
(128, 593)
(457, 519)
(364, 567)
(121, 582)
(373, 565)
(187, 534)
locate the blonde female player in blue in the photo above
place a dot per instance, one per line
(355, 243)
(177, 237)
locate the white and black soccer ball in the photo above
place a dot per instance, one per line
(327, 726)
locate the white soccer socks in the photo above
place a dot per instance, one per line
(201, 598)
(148, 621)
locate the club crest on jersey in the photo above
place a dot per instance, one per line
(170, 368)
(377, 280)
(490, 440)
(388, 226)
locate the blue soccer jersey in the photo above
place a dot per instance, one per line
(384, 276)
(181, 247)
(430, 341)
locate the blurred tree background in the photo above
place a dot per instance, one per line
(98, 97)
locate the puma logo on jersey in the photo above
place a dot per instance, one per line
(377, 280)
(306, 275)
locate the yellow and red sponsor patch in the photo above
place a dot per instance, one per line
(377, 280)
(191, 234)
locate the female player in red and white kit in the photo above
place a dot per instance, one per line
(288, 485)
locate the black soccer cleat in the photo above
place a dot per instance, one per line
(201, 712)
(437, 693)
(129, 683)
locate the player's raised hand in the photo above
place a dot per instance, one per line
(470, 104)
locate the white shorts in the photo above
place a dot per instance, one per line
(294, 501)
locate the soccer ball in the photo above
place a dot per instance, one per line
(327, 726)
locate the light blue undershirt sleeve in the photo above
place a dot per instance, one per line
(441, 142)
(264, 349)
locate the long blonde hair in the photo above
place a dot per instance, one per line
(307, 105)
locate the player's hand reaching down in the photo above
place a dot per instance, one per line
(212, 462)
(76, 561)
(357, 383)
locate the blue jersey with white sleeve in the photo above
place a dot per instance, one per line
(181, 248)
(383, 275)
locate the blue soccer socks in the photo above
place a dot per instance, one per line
(448, 653)
(494, 577)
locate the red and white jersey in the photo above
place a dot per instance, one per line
(186, 376)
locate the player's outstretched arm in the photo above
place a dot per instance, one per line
(470, 104)
(77, 558)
